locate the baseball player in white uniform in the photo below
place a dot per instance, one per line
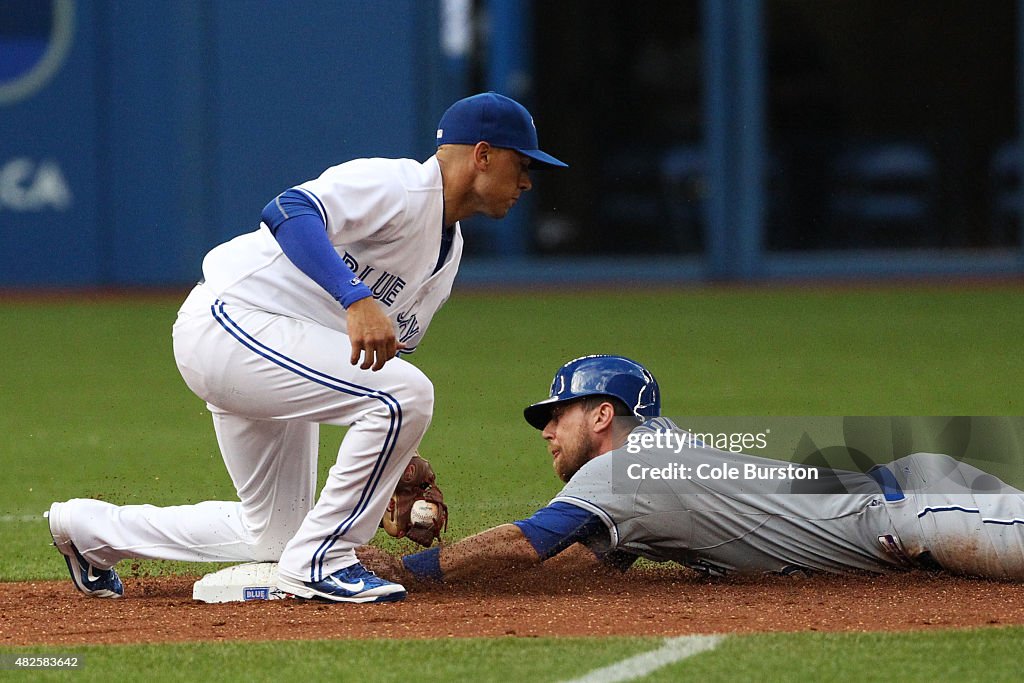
(299, 324)
(721, 512)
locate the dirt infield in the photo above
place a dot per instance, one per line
(642, 602)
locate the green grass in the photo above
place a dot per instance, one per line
(484, 660)
(966, 655)
(92, 404)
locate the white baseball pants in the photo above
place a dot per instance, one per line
(269, 381)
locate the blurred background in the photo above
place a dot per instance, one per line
(709, 140)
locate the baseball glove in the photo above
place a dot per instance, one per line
(418, 483)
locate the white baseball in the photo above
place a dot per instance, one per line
(423, 513)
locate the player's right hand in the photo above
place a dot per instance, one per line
(372, 335)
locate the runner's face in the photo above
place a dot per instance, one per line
(570, 440)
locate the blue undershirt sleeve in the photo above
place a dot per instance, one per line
(554, 528)
(296, 224)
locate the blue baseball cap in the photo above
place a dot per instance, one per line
(599, 375)
(499, 120)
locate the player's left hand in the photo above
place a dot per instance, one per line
(418, 483)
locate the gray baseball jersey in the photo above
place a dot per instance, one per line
(722, 512)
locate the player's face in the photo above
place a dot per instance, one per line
(507, 177)
(570, 441)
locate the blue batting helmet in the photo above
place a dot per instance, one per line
(615, 376)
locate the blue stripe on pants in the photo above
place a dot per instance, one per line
(291, 365)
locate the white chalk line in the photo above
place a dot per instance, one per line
(21, 519)
(673, 650)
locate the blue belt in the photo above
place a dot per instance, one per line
(887, 480)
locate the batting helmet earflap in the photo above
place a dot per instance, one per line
(600, 375)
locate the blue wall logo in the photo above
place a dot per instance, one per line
(35, 39)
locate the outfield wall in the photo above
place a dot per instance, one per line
(164, 127)
(135, 136)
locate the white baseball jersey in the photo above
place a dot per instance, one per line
(266, 347)
(384, 218)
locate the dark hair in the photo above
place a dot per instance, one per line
(621, 409)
